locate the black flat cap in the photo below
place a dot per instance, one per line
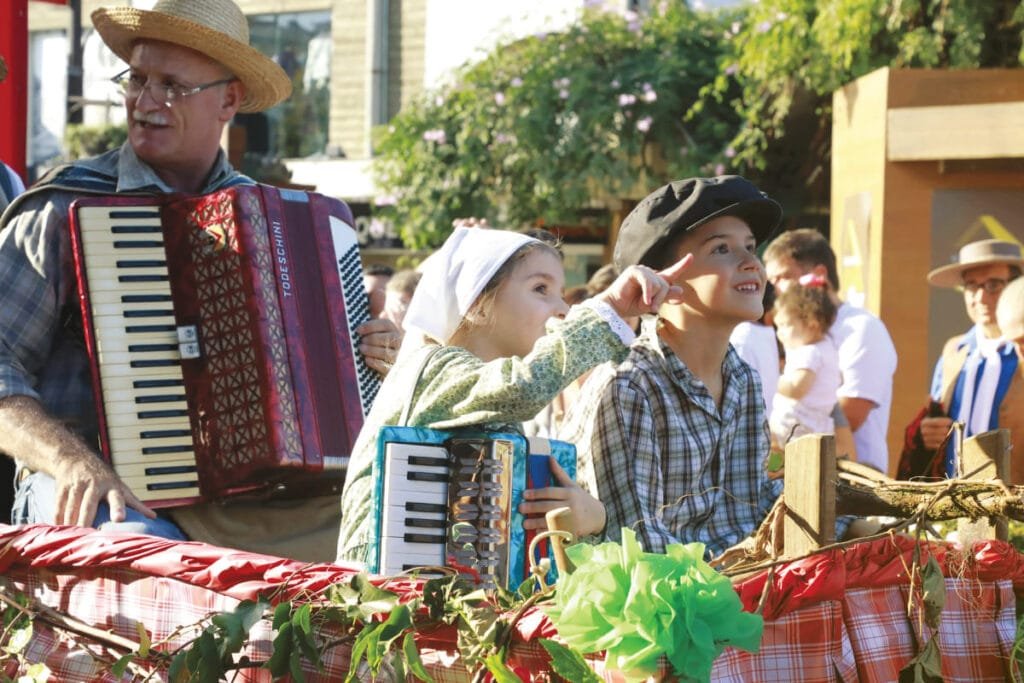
(685, 205)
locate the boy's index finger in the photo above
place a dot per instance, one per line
(676, 269)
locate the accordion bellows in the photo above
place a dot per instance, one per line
(221, 331)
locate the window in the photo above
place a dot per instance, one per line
(300, 43)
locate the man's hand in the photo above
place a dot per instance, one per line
(934, 430)
(379, 342)
(45, 445)
(82, 484)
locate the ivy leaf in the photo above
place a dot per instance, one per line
(19, 639)
(250, 612)
(120, 666)
(926, 667)
(412, 659)
(279, 658)
(295, 667)
(359, 649)
(568, 663)
(178, 671)
(495, 663)
(282, 613)
(933, 587)
(144, 641)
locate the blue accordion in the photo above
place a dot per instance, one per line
(451, 499)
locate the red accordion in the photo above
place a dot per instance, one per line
(221, 331)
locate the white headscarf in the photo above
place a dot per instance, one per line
(453, 278)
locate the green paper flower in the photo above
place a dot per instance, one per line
(637, 606)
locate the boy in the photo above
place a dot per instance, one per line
(673, 441)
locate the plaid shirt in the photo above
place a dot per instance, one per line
(654, 447)
(42, 353)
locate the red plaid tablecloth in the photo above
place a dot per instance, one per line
(837, 616)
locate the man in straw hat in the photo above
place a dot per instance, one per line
(978, 379)
(191, 68)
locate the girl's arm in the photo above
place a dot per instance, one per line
(796, 384)
(588, 515)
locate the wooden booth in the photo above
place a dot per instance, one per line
(923, 162)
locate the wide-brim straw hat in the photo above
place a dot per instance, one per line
(215, 28)
(973, 255)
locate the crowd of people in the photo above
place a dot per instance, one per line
(675, 371)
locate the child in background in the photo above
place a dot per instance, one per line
(806, 393)
(484, 348)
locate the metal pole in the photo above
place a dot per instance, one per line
(73, 106)
(14, 89)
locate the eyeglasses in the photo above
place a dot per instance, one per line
(132, 86)
(991, 286)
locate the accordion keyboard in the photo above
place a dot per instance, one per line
(140, 348)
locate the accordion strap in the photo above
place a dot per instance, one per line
(403, 420)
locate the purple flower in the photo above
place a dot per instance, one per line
(730, 153)
(439, 101)
(561, 82)
(504, 138)
(644, 124)
(719, 169)
(626, 99)
(731, 69)
(764, 26)
(499, 98)
(563, 94)
(647, 87)
(385, 200)
(615, 83)
(435, 135)
(782, 16)
(516, 82)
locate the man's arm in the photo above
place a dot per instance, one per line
(45, 445)
(856, 410)
(33, 252)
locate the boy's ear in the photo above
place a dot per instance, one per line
(820, 271)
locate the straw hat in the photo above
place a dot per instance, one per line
(973, 255)
(215, 28)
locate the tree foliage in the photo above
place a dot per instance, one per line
(544, 126)
(788, 56)
(617, 104)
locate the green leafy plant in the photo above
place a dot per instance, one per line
(86, 141)
(546, 126)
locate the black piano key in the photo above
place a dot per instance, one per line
(427, 476)
(154, 414)
(169, 469)
(419, 523)
(425, 507)
(164, 433)
(156, 383)
(124, 213)
(143, 278)
(152, 313)
(144, 298)
(140, 263)
(138, 244)
(165, 398)
(135, 230)
(423, 538)
(163, 363)
(164, 450)
(150, 348)
(428, 461)
(145, 329)
(170, 485)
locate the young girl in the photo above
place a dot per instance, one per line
(481, 349)
(806, 393)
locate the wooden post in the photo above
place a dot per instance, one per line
(990, 450)
(810, 494)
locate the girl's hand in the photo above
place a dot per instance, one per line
(587, 518)
(639, 290)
